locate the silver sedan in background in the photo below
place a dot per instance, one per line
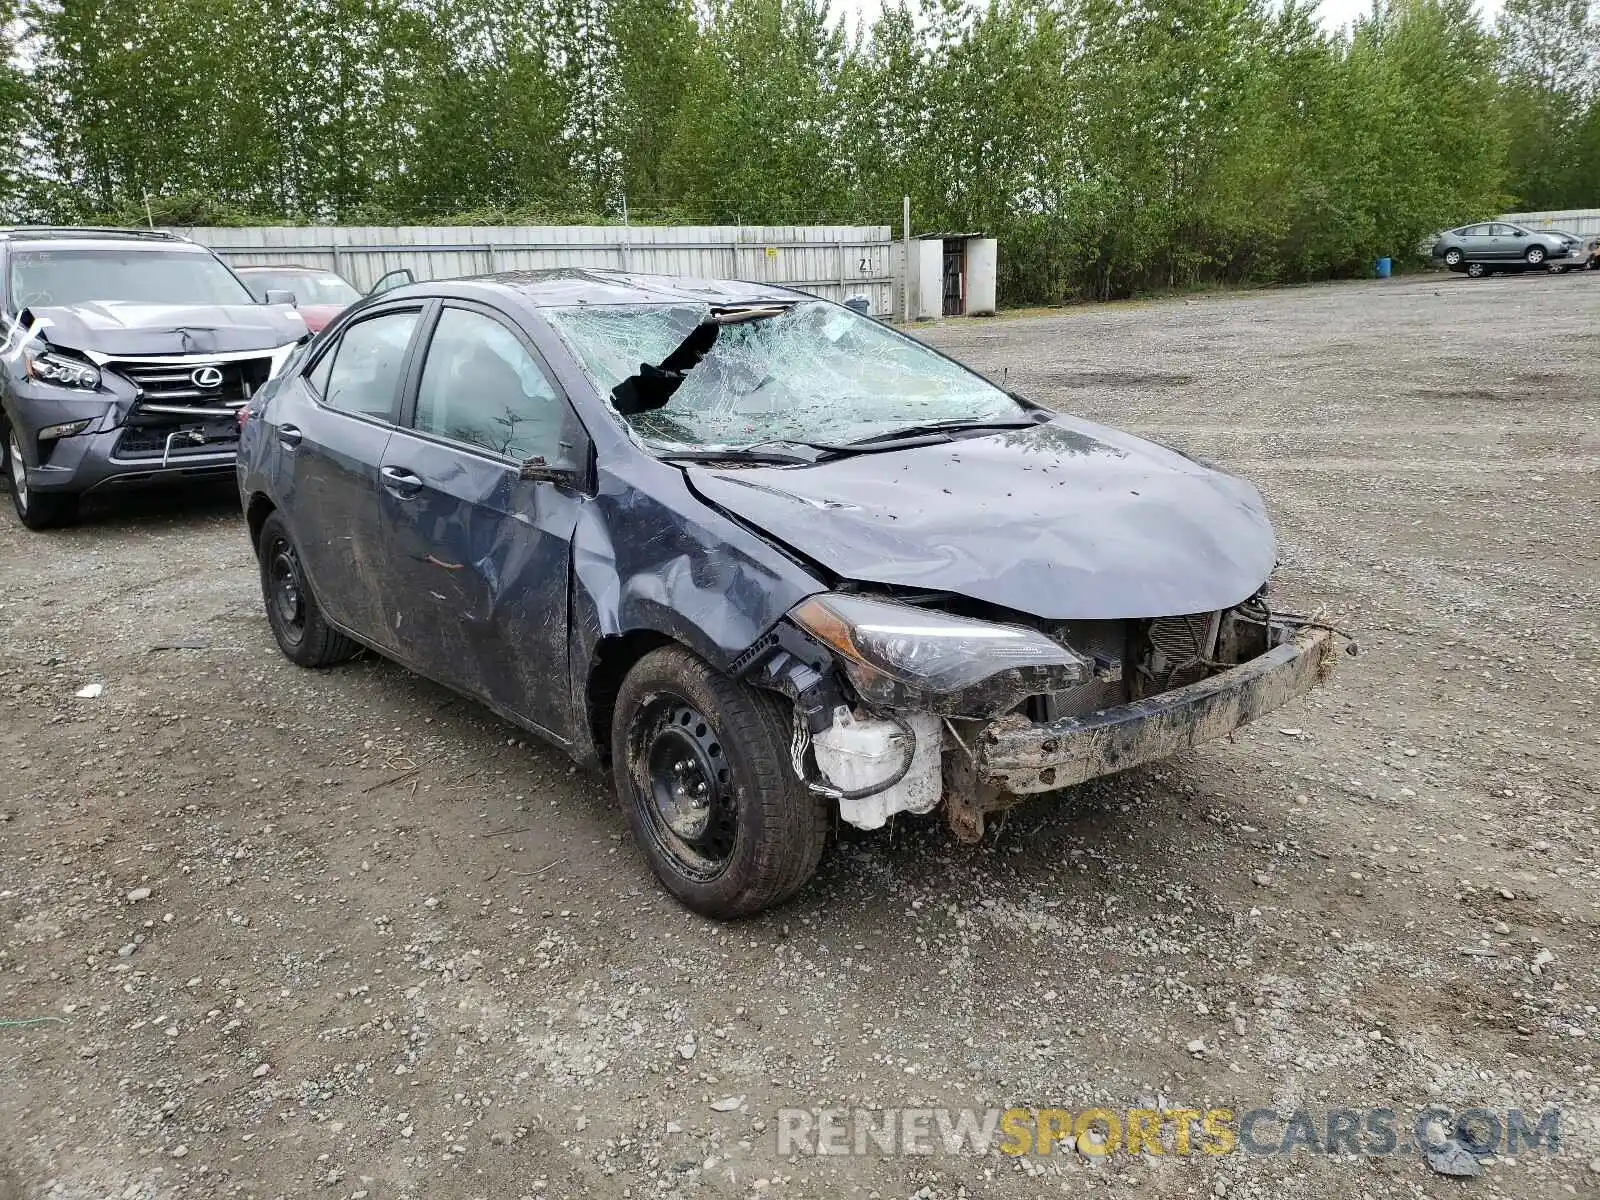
(1473, 248)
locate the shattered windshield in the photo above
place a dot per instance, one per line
(809, 372)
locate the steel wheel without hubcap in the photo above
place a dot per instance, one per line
(287, 591)
(685, 792)
(301, 631)
(702, 767)
(19, 473)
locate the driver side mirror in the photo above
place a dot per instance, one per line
(1518, 233)
(279, 296)
(539, 470)
(396, 278)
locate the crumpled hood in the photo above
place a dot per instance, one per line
(1065, 520)
(116, 327)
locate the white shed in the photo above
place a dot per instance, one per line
(952, 275)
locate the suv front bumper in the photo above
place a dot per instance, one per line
(97, 461)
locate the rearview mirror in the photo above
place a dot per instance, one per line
(396, 278)
(278, 296)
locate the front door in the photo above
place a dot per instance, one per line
(1513, 241)
(331, 425)
(476, 558)
(1502, 245)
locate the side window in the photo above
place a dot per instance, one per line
(1503, 230)
(318, 379)
(481, 387)
(362, 373)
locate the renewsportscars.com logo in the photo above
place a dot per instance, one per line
(1362, 1132)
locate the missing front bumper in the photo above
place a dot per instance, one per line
(1016, 756)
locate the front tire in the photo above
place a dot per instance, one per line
(1535, 255)
(37, 510)
(701, 765)
(302, 632)
(1475, 270)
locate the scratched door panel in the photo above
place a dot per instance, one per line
(476, 575)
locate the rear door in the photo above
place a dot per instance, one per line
(330, 426)
(476, 558)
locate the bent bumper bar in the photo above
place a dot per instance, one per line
(91, 461)
(1018, 756)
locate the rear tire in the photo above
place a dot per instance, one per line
(1475, 270)
(37, 510)
(302, 632)
(701, 766)
(1452, 258)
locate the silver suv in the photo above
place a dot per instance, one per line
(125, 358)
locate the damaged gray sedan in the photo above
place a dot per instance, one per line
(767, 561)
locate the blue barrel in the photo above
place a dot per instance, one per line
(1382, 268)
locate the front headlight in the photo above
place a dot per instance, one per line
(913, 658)
(62, 371)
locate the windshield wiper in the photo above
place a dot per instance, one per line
(736, 454)
(932, 428)
(931, 433)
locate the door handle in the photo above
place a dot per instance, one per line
(400, 482)
(289, 435)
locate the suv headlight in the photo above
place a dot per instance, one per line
(62, 371)
(906, 657)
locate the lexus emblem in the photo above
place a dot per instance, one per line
(207, 377)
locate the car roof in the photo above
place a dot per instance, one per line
(96, 237)
(583, 285)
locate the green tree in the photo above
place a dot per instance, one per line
(756, 137)
(1111, 145)
(1550, 56)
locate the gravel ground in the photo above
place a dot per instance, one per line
(270, 932)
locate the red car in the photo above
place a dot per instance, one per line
(319, 294)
